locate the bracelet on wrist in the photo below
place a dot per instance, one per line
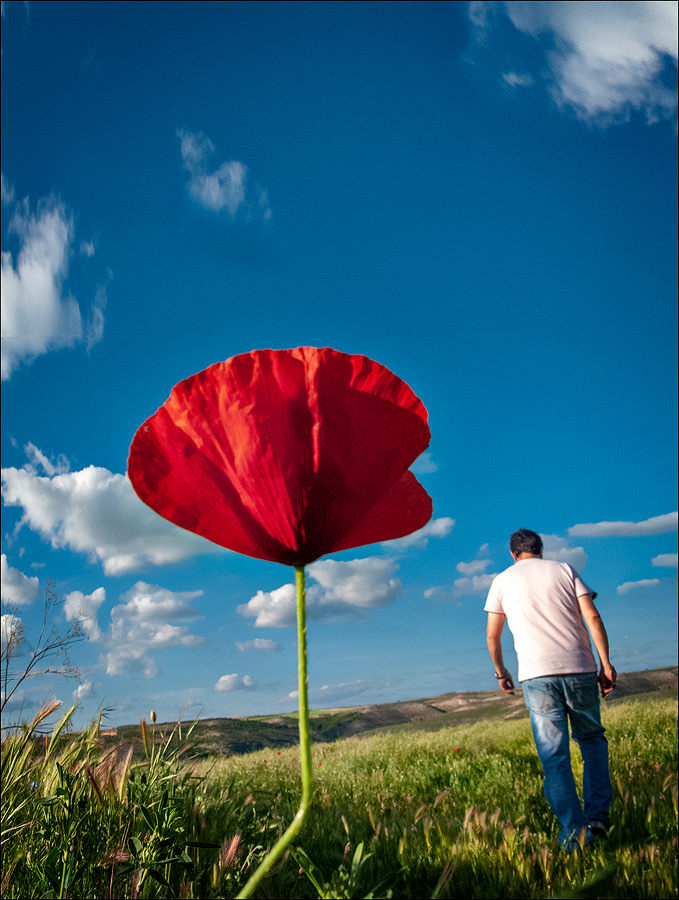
(505, 674)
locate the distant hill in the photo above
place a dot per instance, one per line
(244, 735)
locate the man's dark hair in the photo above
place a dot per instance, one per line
(525, 541)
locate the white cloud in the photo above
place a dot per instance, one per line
(84, 608)
(514, 79)
(665, 560)
(436, 528)
(38, 312)
(360, 583)
(342, 588)
(7, 190)
(272, 609)
(11, 631)
(97, 513)
(424, 464)
(143, 622)
(558, 548)
(475, 584)
(227, 187)
(330, 694)
(635, 585)
(83, 691)
(442, 595)
(476, 567)
(261, 644)
(606, 59)
(654, 525)
(234, 682)
(17, 589)
(87, 248)
(38, 460)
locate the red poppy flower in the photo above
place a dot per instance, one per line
(286, 455)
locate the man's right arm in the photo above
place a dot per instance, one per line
(595, 624)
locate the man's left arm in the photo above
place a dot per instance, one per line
(595, 624)
(496, 622)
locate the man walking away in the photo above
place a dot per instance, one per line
(546, 605)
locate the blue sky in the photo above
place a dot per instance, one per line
(481, 196)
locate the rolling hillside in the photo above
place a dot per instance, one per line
(236, 736)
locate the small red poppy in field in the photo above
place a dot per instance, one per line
(286, 455)
(457, 749)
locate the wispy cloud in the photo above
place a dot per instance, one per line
(604, 60)
(342, 588)
(666, 560)
(227, 187)
(96, 512)
(234, 682)
(514, 79)
(39, 314)
(654, 525)
(259, 644)
(436, 528)
(424, 464)
(636, 585)
(144, 622)
(17, 589)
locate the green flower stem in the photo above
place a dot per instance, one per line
(304, 745)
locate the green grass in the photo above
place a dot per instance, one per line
(457, 812)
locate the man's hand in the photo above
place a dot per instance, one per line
(506, 683)
(607, 679)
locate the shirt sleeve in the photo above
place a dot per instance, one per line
(580, 586)
(493, 601)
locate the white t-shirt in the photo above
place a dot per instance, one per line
(540, 599)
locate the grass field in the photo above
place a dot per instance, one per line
(456, 812)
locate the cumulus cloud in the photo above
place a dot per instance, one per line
(342, 588)
(11, 631)
(558, 548)
(665, 560)
(17, 589)
(654, 525)
(83, 691)
(225, 188)
(234, 682)
(38, 312)
(604, 59)
(475, 584)
(97, 513)
(358, 583)
(260, 644)
(144, 622)
(635, 585)
(436, 528)
(84, 608)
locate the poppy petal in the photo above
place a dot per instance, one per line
(282, 454)
(406, 507)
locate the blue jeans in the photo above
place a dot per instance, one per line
(552, 700)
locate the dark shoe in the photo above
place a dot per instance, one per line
(600, 828)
